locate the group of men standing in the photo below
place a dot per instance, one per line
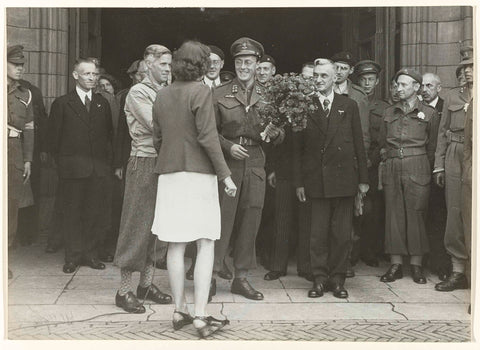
(356, 154)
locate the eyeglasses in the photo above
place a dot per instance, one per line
(215, 63)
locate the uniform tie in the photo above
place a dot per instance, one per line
(87, 103)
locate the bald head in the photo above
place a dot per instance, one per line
(431, 86)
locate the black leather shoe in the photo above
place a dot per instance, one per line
(189, 274)
(307, 276)
(129, 303)
(417, 275)
(456, 280)
(94, 263)
(274, 275)
(317, 290)
(350, 272)
(393, 273)
(108, 258)
(370, 261)
(154, 294)
(338, 290)
(69, 267)
(225, 273)
(242, 287)
(213, 289)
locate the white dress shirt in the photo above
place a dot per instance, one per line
(82, 94)
(210, 82)
(434, 102)
(341, 88)
(329, 97)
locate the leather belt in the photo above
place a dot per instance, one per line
(406, 152)
(454, 137)
(245, 141)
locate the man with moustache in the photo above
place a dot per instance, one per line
(371, 225)
(448, 173)
(80, 134)
(439, 260)
(330, 168)
(239, 127)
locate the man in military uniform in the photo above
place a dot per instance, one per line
(448, 174)
(439, 260)
(371, 225)
(239, 127)
(266, 69)
(344, 65)
(407, 138)
(20, 131)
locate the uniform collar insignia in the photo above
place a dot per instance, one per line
(234, 88)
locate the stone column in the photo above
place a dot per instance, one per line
(431, 38)
(44, 34)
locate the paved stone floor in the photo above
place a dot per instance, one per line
(45, 303)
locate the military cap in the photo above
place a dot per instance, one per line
(217, 51)
(267, 58)
(133, 67)
(412, 73)
(466, 52)
(246, 46)
(367, 66)
(344, 57)
(226, 75)
(15, 54)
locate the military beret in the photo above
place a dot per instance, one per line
(226, 75)
(267, 58)
(15, 54)
(345, 57)
(246, 46)
(367, 66)
(412, 73)
(133, 67)
(217, 51)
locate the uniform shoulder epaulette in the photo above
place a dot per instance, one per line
(225, 83)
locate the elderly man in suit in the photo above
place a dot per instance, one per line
(439, 260)
(80, 134)
(330, 168)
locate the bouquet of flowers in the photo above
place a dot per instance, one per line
(289, 100)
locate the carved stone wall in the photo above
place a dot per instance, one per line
(431, 38)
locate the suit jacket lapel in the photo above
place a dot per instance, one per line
(79, 107)
(334, 119)
(319, 113)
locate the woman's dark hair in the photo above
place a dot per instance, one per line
(191, 61)
(112, 80)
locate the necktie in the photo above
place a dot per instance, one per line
(87, 103)
(326, 104)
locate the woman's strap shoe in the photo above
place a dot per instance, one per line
(129, 303)
(179, 323)
(211, 325)
(394, 273)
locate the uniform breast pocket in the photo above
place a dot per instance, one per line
(417, 128)
(457, 114)
(229, 109)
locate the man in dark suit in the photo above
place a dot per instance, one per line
(80, 134)
(330, 168)
(439, 261)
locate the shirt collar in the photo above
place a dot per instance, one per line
(209, 82)
(341, 88)
(434, 102)
(82, 94)
(329, 97)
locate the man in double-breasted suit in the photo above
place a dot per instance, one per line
(330, 168)
(80, 127)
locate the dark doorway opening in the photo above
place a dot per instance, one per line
(292, 36)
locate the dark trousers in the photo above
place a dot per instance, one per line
(439, 260)
(112, 213)
(82, 217)
(266, 230)
(371, 225)
(331, 228)
(287, 227)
